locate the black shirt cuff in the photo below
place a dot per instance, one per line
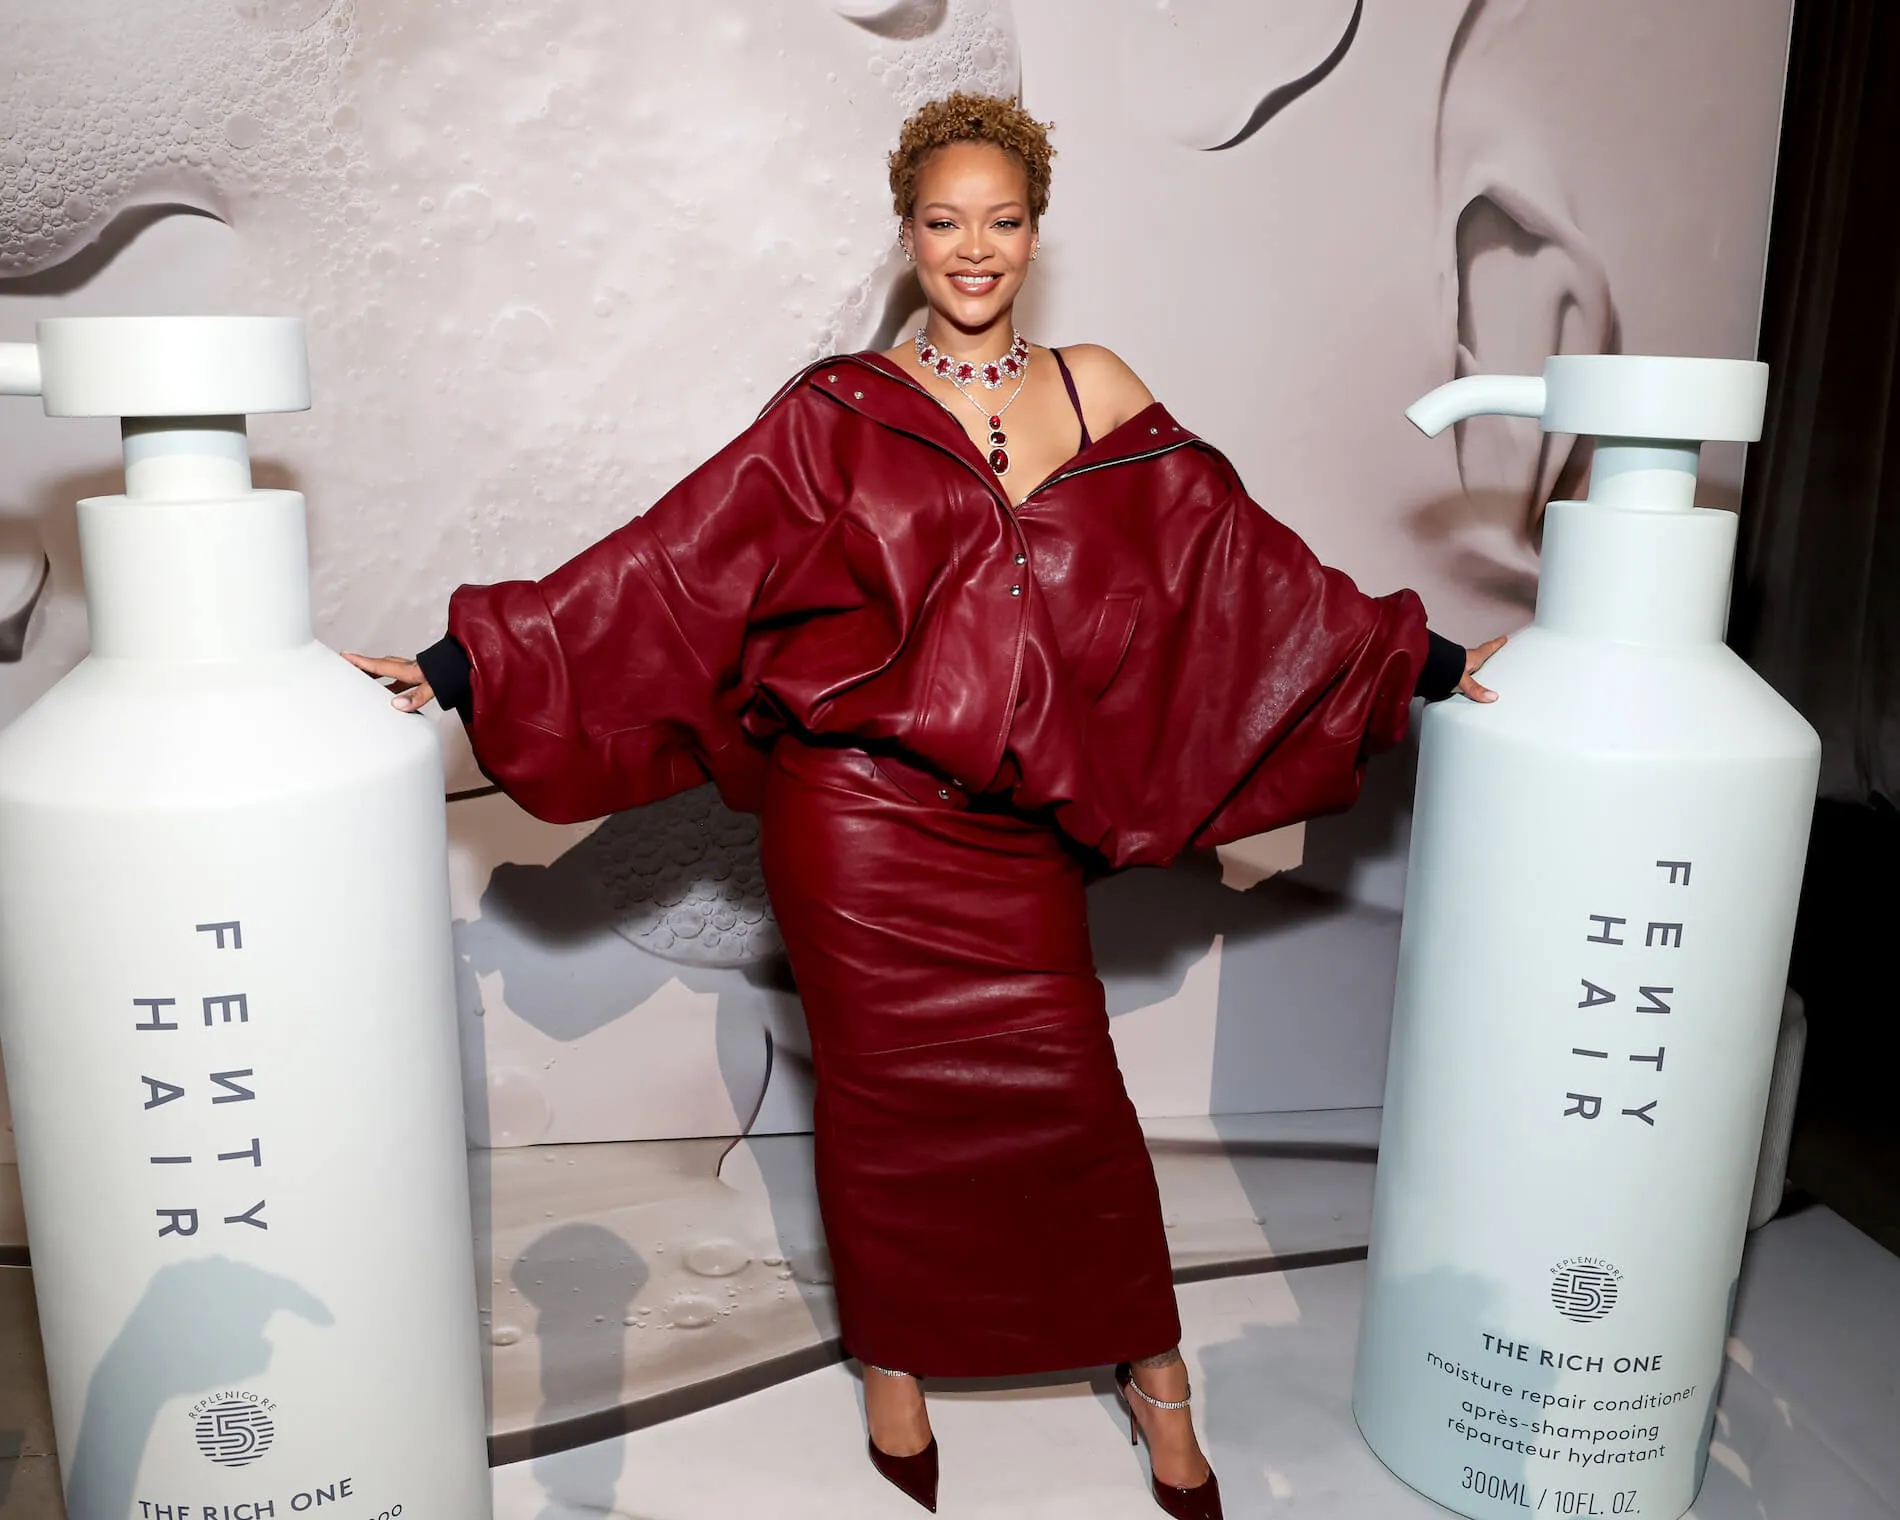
(445, 667)
(1444, 668)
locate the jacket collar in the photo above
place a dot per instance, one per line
(871, 385)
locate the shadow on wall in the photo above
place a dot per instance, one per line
(1307, 963)
(672, 894)
(198, 1328)
(1304, 986)
(786, 1174)
(1281, 96)
(581, 1280)
(81, 266)
(20, 599)
(39, 556)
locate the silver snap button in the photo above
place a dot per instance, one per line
(832, 378)
(1154, 430)
(944, 792)
(1015, 590)
(857, 395)
(1022, 559)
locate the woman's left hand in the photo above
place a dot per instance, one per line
(411, 688)
(1474, 662)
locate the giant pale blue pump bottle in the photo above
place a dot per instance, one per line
(226, 991)
(1604, 871)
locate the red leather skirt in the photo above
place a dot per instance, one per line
(987, 1198)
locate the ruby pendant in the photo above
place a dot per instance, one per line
(999, 461)
(996, 422)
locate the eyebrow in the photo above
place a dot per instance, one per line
(945, 206)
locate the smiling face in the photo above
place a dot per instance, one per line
(972, 235)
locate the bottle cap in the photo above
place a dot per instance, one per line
(1630, 396)
(161, 366)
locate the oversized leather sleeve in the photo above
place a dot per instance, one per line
(615, 681)
(1257, 684)
(1321, 676)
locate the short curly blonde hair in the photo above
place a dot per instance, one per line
(962, 118)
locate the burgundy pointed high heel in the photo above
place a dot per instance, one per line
(916, 1474)
(1201, 1502)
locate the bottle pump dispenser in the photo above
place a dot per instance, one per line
(226, 990)
(1604, 870)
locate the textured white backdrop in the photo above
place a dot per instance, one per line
(554, 252)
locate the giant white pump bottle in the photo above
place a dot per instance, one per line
(1604, 871)
(226, 991)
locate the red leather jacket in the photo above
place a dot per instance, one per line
(1137, 651)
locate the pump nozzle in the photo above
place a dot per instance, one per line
(1504, 395)
(19, 369)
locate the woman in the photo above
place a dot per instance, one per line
(966, 621)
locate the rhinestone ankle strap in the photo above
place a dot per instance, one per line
(1160, 1403)
(885, 1370)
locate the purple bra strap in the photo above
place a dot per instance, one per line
(1075, 401)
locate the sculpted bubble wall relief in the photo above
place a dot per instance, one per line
(552, 253)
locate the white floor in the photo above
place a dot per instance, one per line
(1809, 1427)
(632, 1276)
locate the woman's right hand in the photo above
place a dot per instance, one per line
(1474, 662)
(404, 677)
